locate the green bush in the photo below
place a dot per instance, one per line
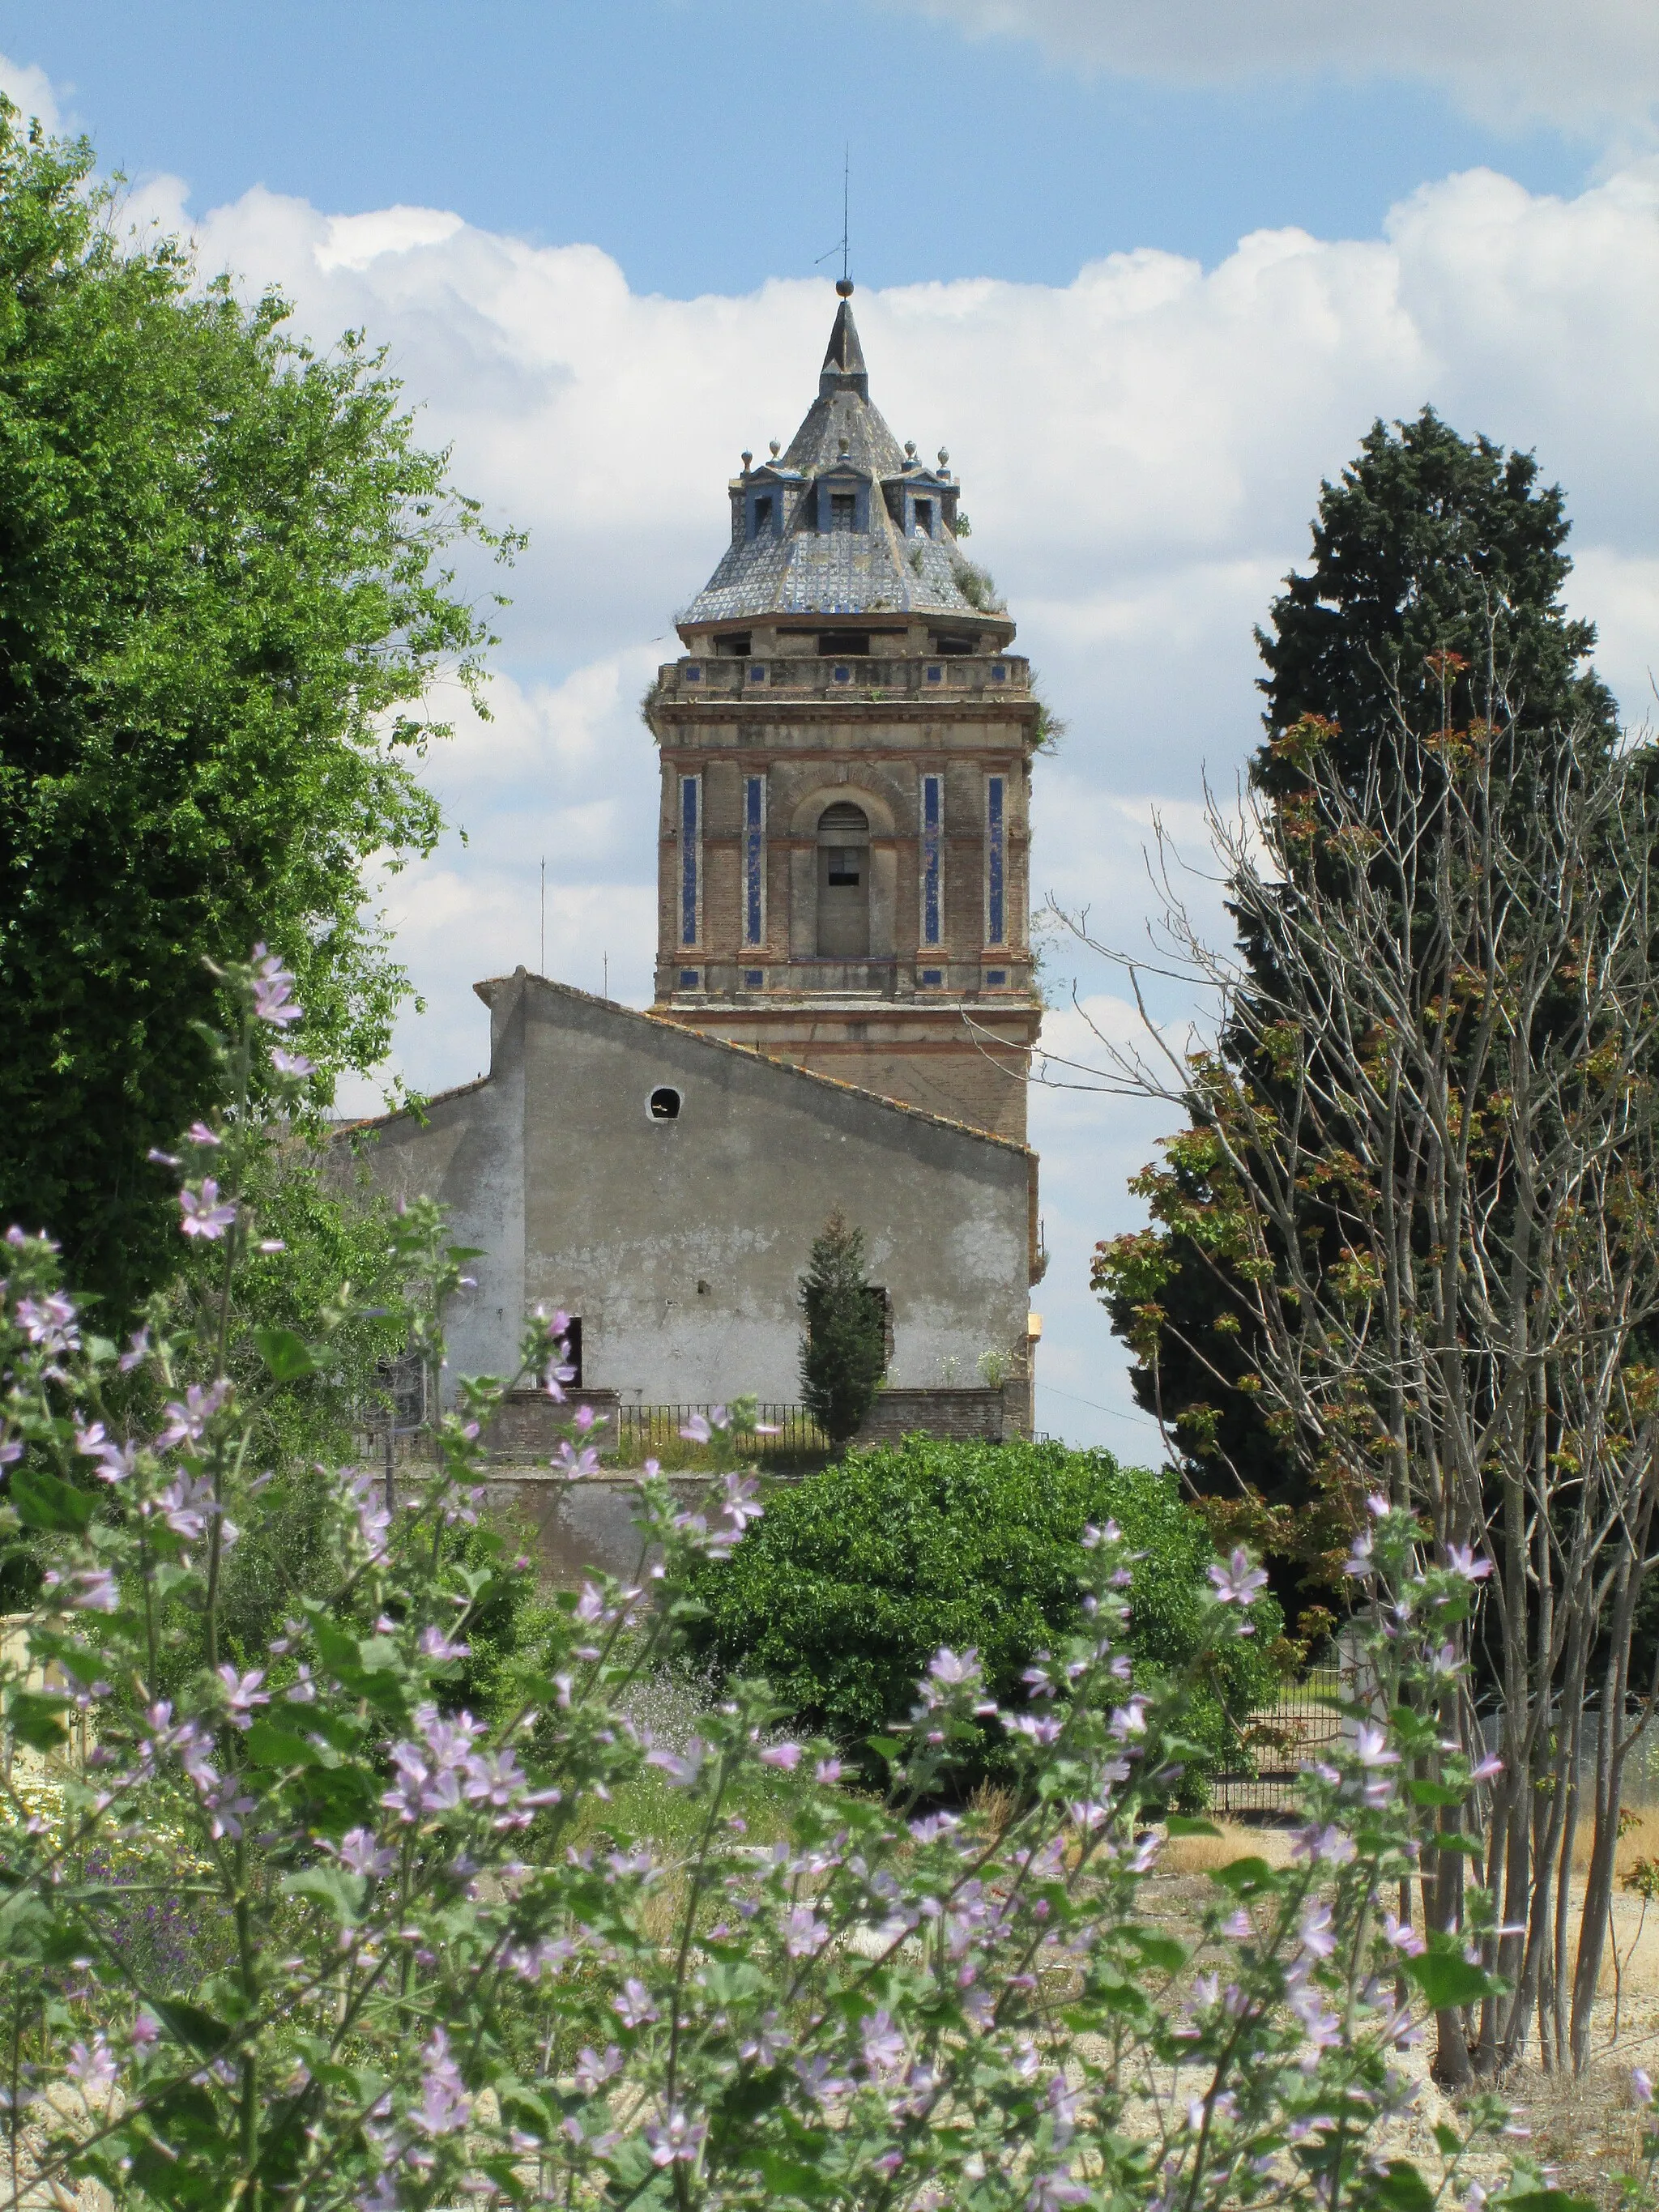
(856, 1577)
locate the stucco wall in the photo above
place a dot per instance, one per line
(680, 1243)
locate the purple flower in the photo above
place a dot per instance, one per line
(593, 2072)
(786, 1755)
(1461, 1559)
(187, 1421)
(1053, 2190)
(1360, 1560)
(1328, 1845)
(1490, 1766)
(49, 1322)
(884, 2045)
(292, 1063)
(92, 2067)
(437, 1646)
(360, 1853)
(444, 2105)
(950, 1670)
(805, 1934)
(1238, 1582)
(827, 1770)
(273, 989)
(145, 2028)
(203, 1214)
(199, 1134)
(634, 2007)
(242, 1693)
(1315, 1931)
(696, 1431)
(677, 2138)
(96, 1592)
(1371, 1746)
(682, 1768)
(1403, 1936)
(1641, 2087)
(187, 1505)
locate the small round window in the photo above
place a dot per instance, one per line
(665, 1103)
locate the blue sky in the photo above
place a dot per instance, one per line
(700, 145)
(1150, 267)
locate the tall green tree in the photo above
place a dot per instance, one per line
(223, 598)
(843, 1354)
(1432, 601)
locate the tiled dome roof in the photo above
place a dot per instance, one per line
(799, 566)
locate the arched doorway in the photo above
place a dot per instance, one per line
(843, 882)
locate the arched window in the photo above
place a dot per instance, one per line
(843, 882)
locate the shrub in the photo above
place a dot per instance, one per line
(424, 1958)
(844, 1351)
(857, 1575)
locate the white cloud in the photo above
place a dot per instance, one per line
(30, 89)
(1589, 66)
(1140, 452)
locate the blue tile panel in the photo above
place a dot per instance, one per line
(754, 859)
(994, 786)
(690, 826)
(932, 788)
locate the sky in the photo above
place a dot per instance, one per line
(1149, 267)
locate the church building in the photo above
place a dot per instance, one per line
(844, 1008)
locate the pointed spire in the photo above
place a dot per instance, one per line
(843, 361)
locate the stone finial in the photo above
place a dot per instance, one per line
(747, 458)
(944, 457)
(844, 288)
(909, 452)
(774, 447)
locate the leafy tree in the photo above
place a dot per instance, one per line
(843, 1354)
(856, 1576)
(223, 599)
(1432, 601)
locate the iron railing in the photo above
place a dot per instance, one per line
(654, 1432)
(1277, 1742)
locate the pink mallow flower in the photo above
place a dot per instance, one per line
(202, 1213)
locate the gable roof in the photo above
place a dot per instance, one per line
(522, 977)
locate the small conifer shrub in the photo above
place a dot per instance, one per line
(843, 1354)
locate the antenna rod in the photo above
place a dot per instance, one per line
(541, 968)
(846, 174)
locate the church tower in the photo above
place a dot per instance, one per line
(846, 748)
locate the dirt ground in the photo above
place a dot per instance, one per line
(1589, 2130)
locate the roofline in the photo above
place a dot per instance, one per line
(493, 983)
(416, 1106)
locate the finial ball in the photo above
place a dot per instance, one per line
(844, 288)
(774, 447)
(747, 458)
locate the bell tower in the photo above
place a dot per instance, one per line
(846, 748)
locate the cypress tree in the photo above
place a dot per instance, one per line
(843, 1354)
(1433, 597)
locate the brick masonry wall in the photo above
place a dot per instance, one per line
(977, 1416)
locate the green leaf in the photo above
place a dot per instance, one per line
(1447, 1979)
(1402, 2189)
(285, 1354)
(191, 2025)
(886, 1747)
(786, 2177)
(342, 1892)
(1159, 1950)
(43, 1502)
(1243, 1877)
(1447, 2141)
(1547, 2200)
(1179, 1824)
(1435, 1793)
(268, 1745)
(38, 1720)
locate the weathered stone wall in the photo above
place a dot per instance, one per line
(965, 1415)
(681, 1242)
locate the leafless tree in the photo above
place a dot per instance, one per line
(1428, 1119)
